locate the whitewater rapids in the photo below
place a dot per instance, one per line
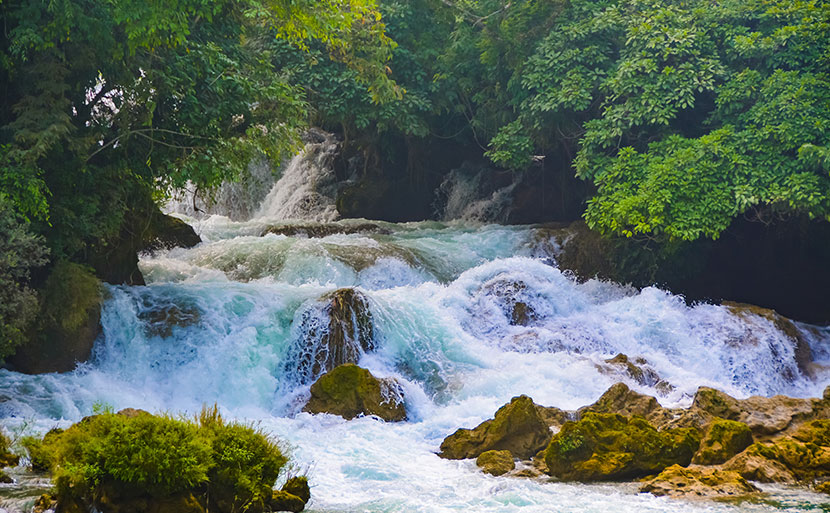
(218, 323)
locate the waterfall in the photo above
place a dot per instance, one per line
(464, 317)
(471, 194)
(306, 190)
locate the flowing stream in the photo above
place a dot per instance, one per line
(222, 323)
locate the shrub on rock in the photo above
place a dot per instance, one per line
(351, 391)
(610, 447)
(141, 463)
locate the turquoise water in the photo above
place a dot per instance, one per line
(439, 296)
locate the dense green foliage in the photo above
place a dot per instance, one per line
(20, 251)
(137, 454)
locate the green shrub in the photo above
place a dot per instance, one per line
(116, 457)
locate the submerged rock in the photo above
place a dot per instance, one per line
(723, 440)
(510, 295)
(337, 332)
(677, 481)
(351, 391)
(637, 369)
(519, 426)
(610, 446)
(495, 462)
(317, 230)
(68, 323)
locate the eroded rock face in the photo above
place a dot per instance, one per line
(351, 391)
(604, 446)
(337, 332)
(723, 440)
(519, 426)
(495, 463)
(677, 481)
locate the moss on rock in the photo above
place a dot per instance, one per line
(68, 323)
(351, 391)
(723, 440)
(611, 447)
(677, 481)
(284, 501)
(298, 486)
(495, 462)
(519, 426)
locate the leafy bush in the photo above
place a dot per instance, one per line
(107, 457)
(20, 252)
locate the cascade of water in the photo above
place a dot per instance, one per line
(307, 187)
(470, 195)
(464, 317)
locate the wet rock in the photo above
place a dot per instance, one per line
(495, 463)
(510, 295)
(610, 446)
(620, 399)
(350, 391)
(676, 481)
(318, 230)
(340, 332)
(765, 416)
(803, 353)
(298, 486)
(44, 503)
(756, 467)
(519, 426)
(823, 487)
(284, 501)
(723, 440)
(638, 370)
(165, 232)
(117, 499)
(160, 320)
(5, 478)
(68, 323)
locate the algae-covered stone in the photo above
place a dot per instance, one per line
(284, 501)
(723, 440)
(5, 478)
(350, 391)
(677, 481)
(495, 462)
(519, 427)
(823, 487)
(610, 446)
(783, 460)
(298, 486)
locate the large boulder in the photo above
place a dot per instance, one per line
(495, 463)
(621, 400)
(609, 447)
(723, 440)
(345, 333)
(804, 456)
(677, 481)
(68, 323)
(351, 391)
(519, 426)
(165, 232)
(765, 416)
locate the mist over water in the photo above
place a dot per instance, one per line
(225, 322)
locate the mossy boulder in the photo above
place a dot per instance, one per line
(284, 501)
(677, 481)
(519, 426)
(140, 463)
(723, 440)
(765, 416)
(351, 391)
(298, 486)
(495, 463)
(165, 232)
(612, 447)
(7, 458)
(823, 487)
(5, 478)
(68, 323)
(345, 335)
